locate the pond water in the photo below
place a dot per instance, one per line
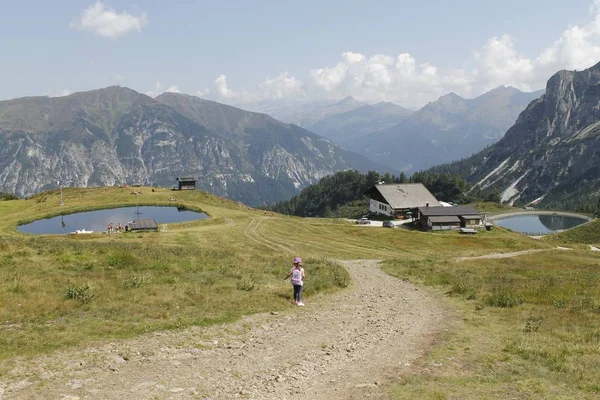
(98, 220)
(541, 224)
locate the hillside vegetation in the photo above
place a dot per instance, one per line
(587, 233)
(342, 195)
(529, 323)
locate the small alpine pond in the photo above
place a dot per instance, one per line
(98, 220)
(539, 224)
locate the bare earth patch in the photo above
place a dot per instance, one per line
(345, 346)
(509, 255)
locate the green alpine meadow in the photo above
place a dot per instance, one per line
(526, 324)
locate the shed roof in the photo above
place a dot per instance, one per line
(444, 218)
(143, 224)
(406, 195)
(457, 211)
(188, 179)
(477, 216)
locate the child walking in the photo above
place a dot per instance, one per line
(297, 274)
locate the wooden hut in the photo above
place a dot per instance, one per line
(143, 225)
(186, 183)
(440, 218)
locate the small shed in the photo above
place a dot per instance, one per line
(443, 222)
(143, 225)
(471, 220)
(437, 218)
(186, 183)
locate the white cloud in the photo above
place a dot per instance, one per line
(108, 23)
(500, 64)
(406, 81)
(224, 93)
(62, 93)
(160, 89)
(280, 87)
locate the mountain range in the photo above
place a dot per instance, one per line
(551, 155)
(115, 135)
(445, 130)
(345, 128)
(304, 113)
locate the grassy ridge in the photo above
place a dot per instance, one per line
(588, 233)
(529, 325)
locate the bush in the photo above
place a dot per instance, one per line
(503, 298)
(120, 260)
(247, 284)
(7, 196)
(80, 293)
(136, 280)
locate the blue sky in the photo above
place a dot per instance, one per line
(243, 52)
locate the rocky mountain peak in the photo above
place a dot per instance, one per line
(551, 154)
(115, 135)
(349, 101)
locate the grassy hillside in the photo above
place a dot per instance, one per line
(529, 325)
(587, 234)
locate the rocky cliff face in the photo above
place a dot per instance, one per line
(116, 135)
(551, 155)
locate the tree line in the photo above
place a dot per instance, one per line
(344, 194)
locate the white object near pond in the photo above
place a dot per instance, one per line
(81, 231)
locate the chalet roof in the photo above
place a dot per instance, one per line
(406, 195)
(444, 218)
(444, 211)
(476, 216)
(186, 179)
(139, 224)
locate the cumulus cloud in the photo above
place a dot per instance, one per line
(62, 93)
(160, 89)
(106, 22)
(280, 87)
(404, 80)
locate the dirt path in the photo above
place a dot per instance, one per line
(345, 346)
(508, 255)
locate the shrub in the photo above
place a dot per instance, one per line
(15, 285)
(503, 298)
(532, 323)
(462, 288)
(120, 260)
(247, 284)
(136, 280)
(80, 293)
(340, 278)
(7, 196)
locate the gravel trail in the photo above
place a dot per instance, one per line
(344, 346)
(509, 255)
